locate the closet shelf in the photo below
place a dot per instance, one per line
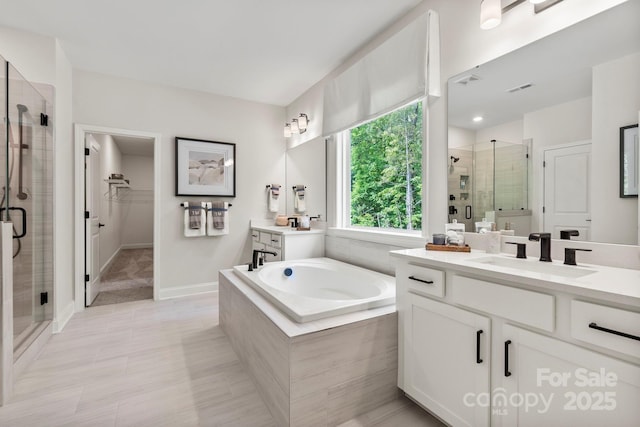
(118, 183)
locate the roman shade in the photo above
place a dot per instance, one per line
(402, 69)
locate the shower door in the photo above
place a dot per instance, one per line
(26, 191)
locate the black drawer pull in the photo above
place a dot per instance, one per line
(428, 282)
(478, 359)
(506, 358)
(593, 325)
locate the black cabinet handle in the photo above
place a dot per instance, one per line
(478, 333)
(593, 325)
(506, 358)
(428, 282)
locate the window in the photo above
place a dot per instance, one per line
(386, 171)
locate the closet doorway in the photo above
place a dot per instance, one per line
(119, 223)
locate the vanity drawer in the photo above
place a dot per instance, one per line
(276, 240)
(422, 279)
(520, 305)
(255, 236)
(586, 318)
(265, 237)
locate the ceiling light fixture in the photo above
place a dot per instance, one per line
(490, 14)
(478, 119)
(491, 11)
(297, 126)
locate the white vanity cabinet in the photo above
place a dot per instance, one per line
(535, 362)
(545, 381)
(446, 356)
(288, 244)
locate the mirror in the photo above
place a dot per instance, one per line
(539, 128)
(305, 165)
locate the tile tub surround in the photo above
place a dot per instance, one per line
(319, 373)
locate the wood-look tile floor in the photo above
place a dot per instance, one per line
(147, 363)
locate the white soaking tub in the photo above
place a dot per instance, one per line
(317, 288)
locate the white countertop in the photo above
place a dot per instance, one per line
(288, 230)
(619, 285)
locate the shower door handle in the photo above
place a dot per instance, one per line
(100, 225)
(24, 220)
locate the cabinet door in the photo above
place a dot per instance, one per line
(554, 383)
(446, 360)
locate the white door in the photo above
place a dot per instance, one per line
(567, 176)
(92, 224)
(553, 383)
(446, 360)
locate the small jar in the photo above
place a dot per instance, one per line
(439, 239)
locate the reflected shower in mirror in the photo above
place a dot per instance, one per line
(537, 132)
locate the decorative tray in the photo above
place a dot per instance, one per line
(447, 248)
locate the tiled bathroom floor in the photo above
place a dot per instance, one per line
(146, 363)
(129, 278)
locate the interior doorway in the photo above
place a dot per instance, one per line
(117, 229)
(567, 205)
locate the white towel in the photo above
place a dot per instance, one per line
(211, 230)
(273, 194)
(194, 232)
(299, 203)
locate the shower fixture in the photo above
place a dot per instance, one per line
(21, 110)
(453, 160)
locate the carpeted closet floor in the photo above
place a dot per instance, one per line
(129, 278)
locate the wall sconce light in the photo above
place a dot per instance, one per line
(491, 11)
(297, 126)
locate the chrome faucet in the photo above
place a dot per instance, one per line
(256, 254)
(545, 245)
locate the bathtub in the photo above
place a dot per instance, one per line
(319, 287)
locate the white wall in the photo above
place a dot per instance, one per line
(505, 132)
(137, 205)
(110, 209)
(260, 152)
(614, 106)
(461, 138)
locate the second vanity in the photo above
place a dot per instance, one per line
(288, 243)
(494, 340)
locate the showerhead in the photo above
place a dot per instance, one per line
(455, 159)
(22, 108)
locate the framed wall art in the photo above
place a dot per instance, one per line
(205, 168)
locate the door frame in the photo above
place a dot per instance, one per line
(80, 132)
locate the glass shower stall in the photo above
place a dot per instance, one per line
(26, 210)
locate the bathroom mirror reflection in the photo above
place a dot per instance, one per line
(305, 165)
(560, 100)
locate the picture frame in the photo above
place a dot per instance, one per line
(629, 161)
(205, 168)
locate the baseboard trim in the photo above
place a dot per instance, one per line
(63, 317)
(183, 291)
(110, 260)
(137, 246)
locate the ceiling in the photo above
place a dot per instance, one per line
(559, 67)
(268, 51)
(134, 146)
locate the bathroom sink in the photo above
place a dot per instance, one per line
(536, 266)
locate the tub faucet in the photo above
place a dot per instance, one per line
(256, 254)
(545, 245)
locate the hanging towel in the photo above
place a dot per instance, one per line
(272, 197)
(195, 220)
(198, 207)
(299, 203)
(217, 218)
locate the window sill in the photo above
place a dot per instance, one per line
(404, 240)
